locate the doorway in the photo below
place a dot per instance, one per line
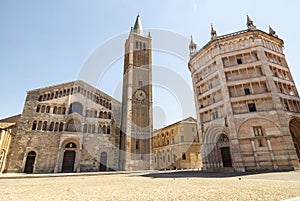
(295, 132)
(103, 161)
(29, 165)
(226, 158)
(69, 161)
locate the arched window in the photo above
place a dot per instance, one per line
(105, 115)
(56, 126)
(38, 108)
(54, 110)
(51, 127)
(93, 128)
(101, 114)
(109, 106)
(43, 109)
(108, 130)
(95, 114)
(61, 126)
(99, 129)
(76, 107)
(44, 126)
(34, 125)
(40, 98)
(109, 115)
(39, 127)
(64, 110)
(47, 109)
(59, 110)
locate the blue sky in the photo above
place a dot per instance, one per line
(46, 42)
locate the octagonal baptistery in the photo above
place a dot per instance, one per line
(70, 127)
(248, 107)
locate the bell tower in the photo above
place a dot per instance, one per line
(137, 120)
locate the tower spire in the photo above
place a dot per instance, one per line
(272, 32)
(250, 24)
(192, 47)
(137, 28)
(213, 33)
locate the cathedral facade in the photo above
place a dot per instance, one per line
(69, 127)
(247, 104)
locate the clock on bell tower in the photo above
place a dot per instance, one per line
(137, 120)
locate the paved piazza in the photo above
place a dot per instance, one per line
(185, 185)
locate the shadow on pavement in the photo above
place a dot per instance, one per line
(200, 174)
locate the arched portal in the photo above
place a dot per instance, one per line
(224, 147)
(29, 165)
(69, 157)
(103, 161)
(295, 132)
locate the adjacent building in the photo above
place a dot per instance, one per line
(7, 130)
(177, 146)
(248, 107)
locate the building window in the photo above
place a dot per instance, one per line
(182, 138)
(168, 158)
(258, 131)
(286, 106)
(259, 142)
(38, 108)
(215, 115)
(251, 107)
(144, 46)
(137, 144)
(140, 83)
(239, 61)
(181, 129)
(193, 129)
(34, 125)
(164, 159)
(247, 91)
(136, 45)
(183, 156)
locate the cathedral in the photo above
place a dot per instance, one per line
(74, 127)
(247, 104)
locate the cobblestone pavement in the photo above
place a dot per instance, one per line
(185, 185)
